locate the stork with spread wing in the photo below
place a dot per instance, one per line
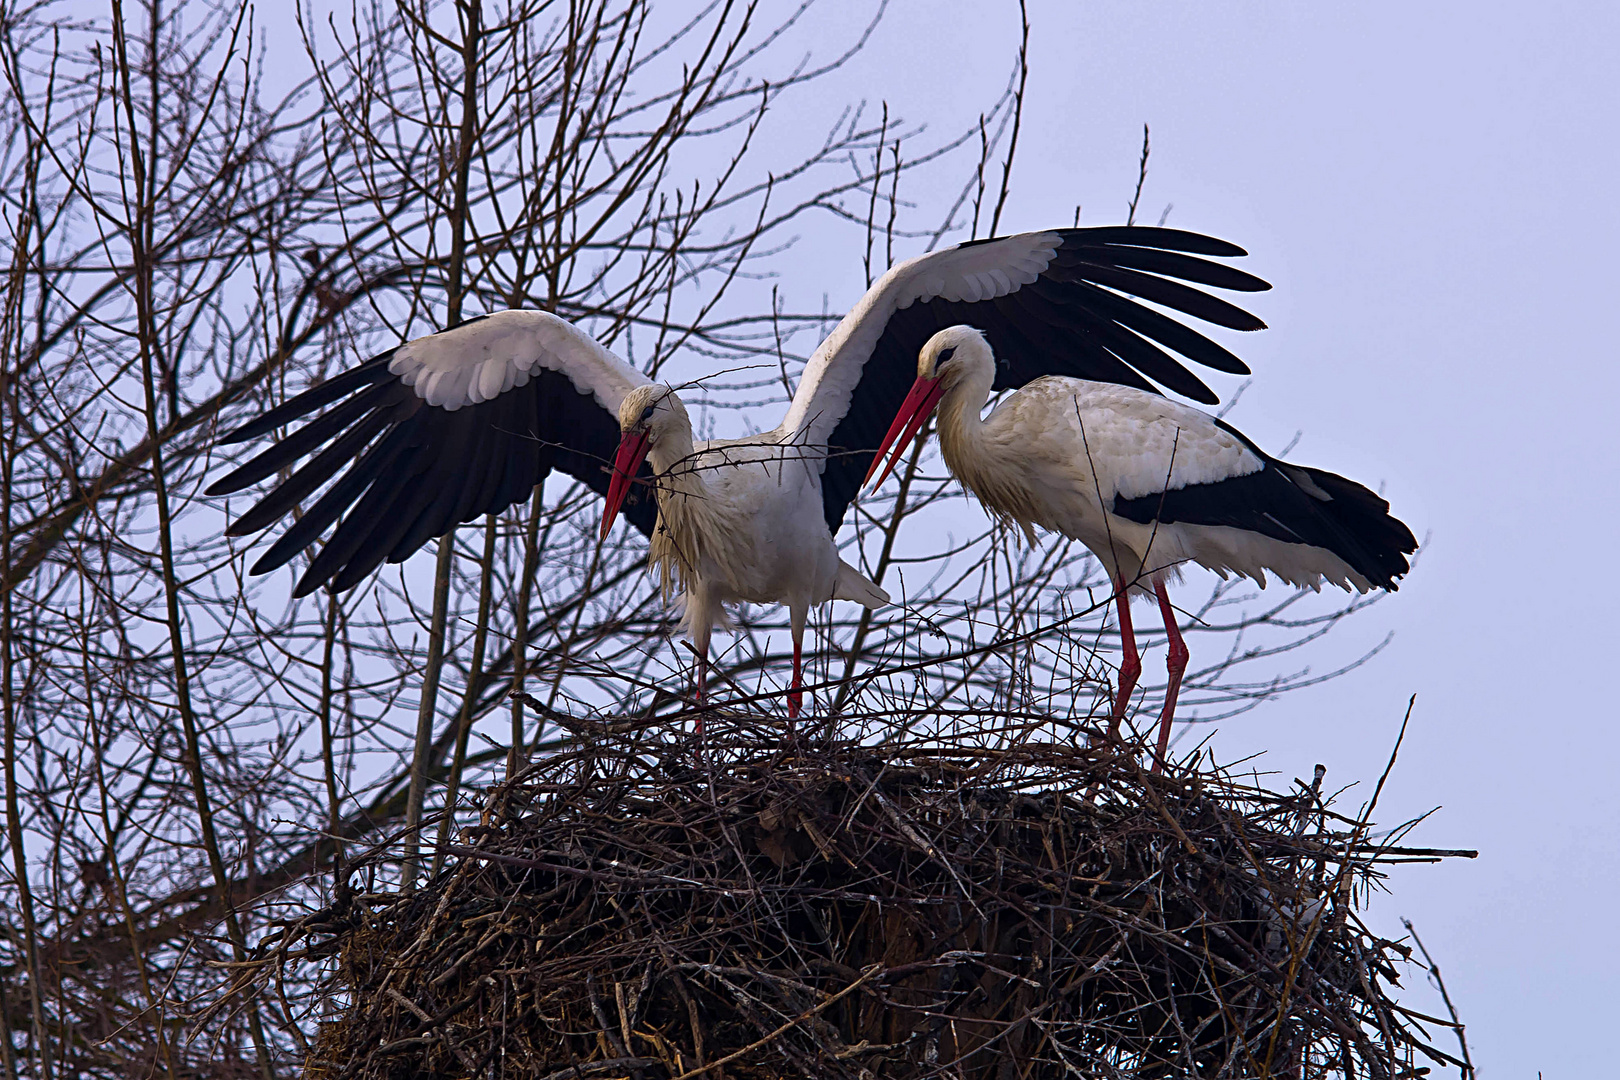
(448, 427)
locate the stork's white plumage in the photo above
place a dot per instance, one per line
(739, 520)
(1147, 484)
(448, 427)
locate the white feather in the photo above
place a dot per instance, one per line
(493, 377)
(481, 360)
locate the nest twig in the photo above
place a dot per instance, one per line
(954, 908)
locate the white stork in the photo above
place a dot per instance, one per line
(1147, 484)
(448, 427)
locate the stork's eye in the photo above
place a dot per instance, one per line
(646, 414)
(945, 355)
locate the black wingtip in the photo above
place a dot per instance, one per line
(244, 476)
(1130, 245)
(1159, 237)
(266, 563)
(315, 397)
(230, 483)
(259, 425)
(305, 586)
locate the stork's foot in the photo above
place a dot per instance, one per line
(1108, 737)
(795, 740)
(699, 699)
(1166, 718)
(694, 744)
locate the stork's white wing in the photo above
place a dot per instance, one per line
(439, 430)
(1060, 302)
(965, 274)
(484, 358)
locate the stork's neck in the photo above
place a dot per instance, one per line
(684, 488)
(695, 517)
(672, 453)
(672, 461)
(980, 460)
(961, 432)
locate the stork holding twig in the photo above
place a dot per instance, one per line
(1146, 484)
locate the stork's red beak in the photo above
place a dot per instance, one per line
(632, 449)
(925, 394)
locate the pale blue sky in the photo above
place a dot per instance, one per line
(1430, 188)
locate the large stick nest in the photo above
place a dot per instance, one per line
(931, 908)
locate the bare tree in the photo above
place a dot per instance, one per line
(195, 228)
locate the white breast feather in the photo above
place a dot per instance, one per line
(482, 360)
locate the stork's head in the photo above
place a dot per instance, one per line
(950, 358)
(649, 415)
(652, 410)
(951, 354)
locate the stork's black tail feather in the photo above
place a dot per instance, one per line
(1296, 505)
(1382, 541)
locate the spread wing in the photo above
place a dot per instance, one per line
(440, 430)
(1062, 302)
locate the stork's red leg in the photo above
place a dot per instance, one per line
(1177, 664)
(700, 679)
(795, 698)
(1130, 668)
